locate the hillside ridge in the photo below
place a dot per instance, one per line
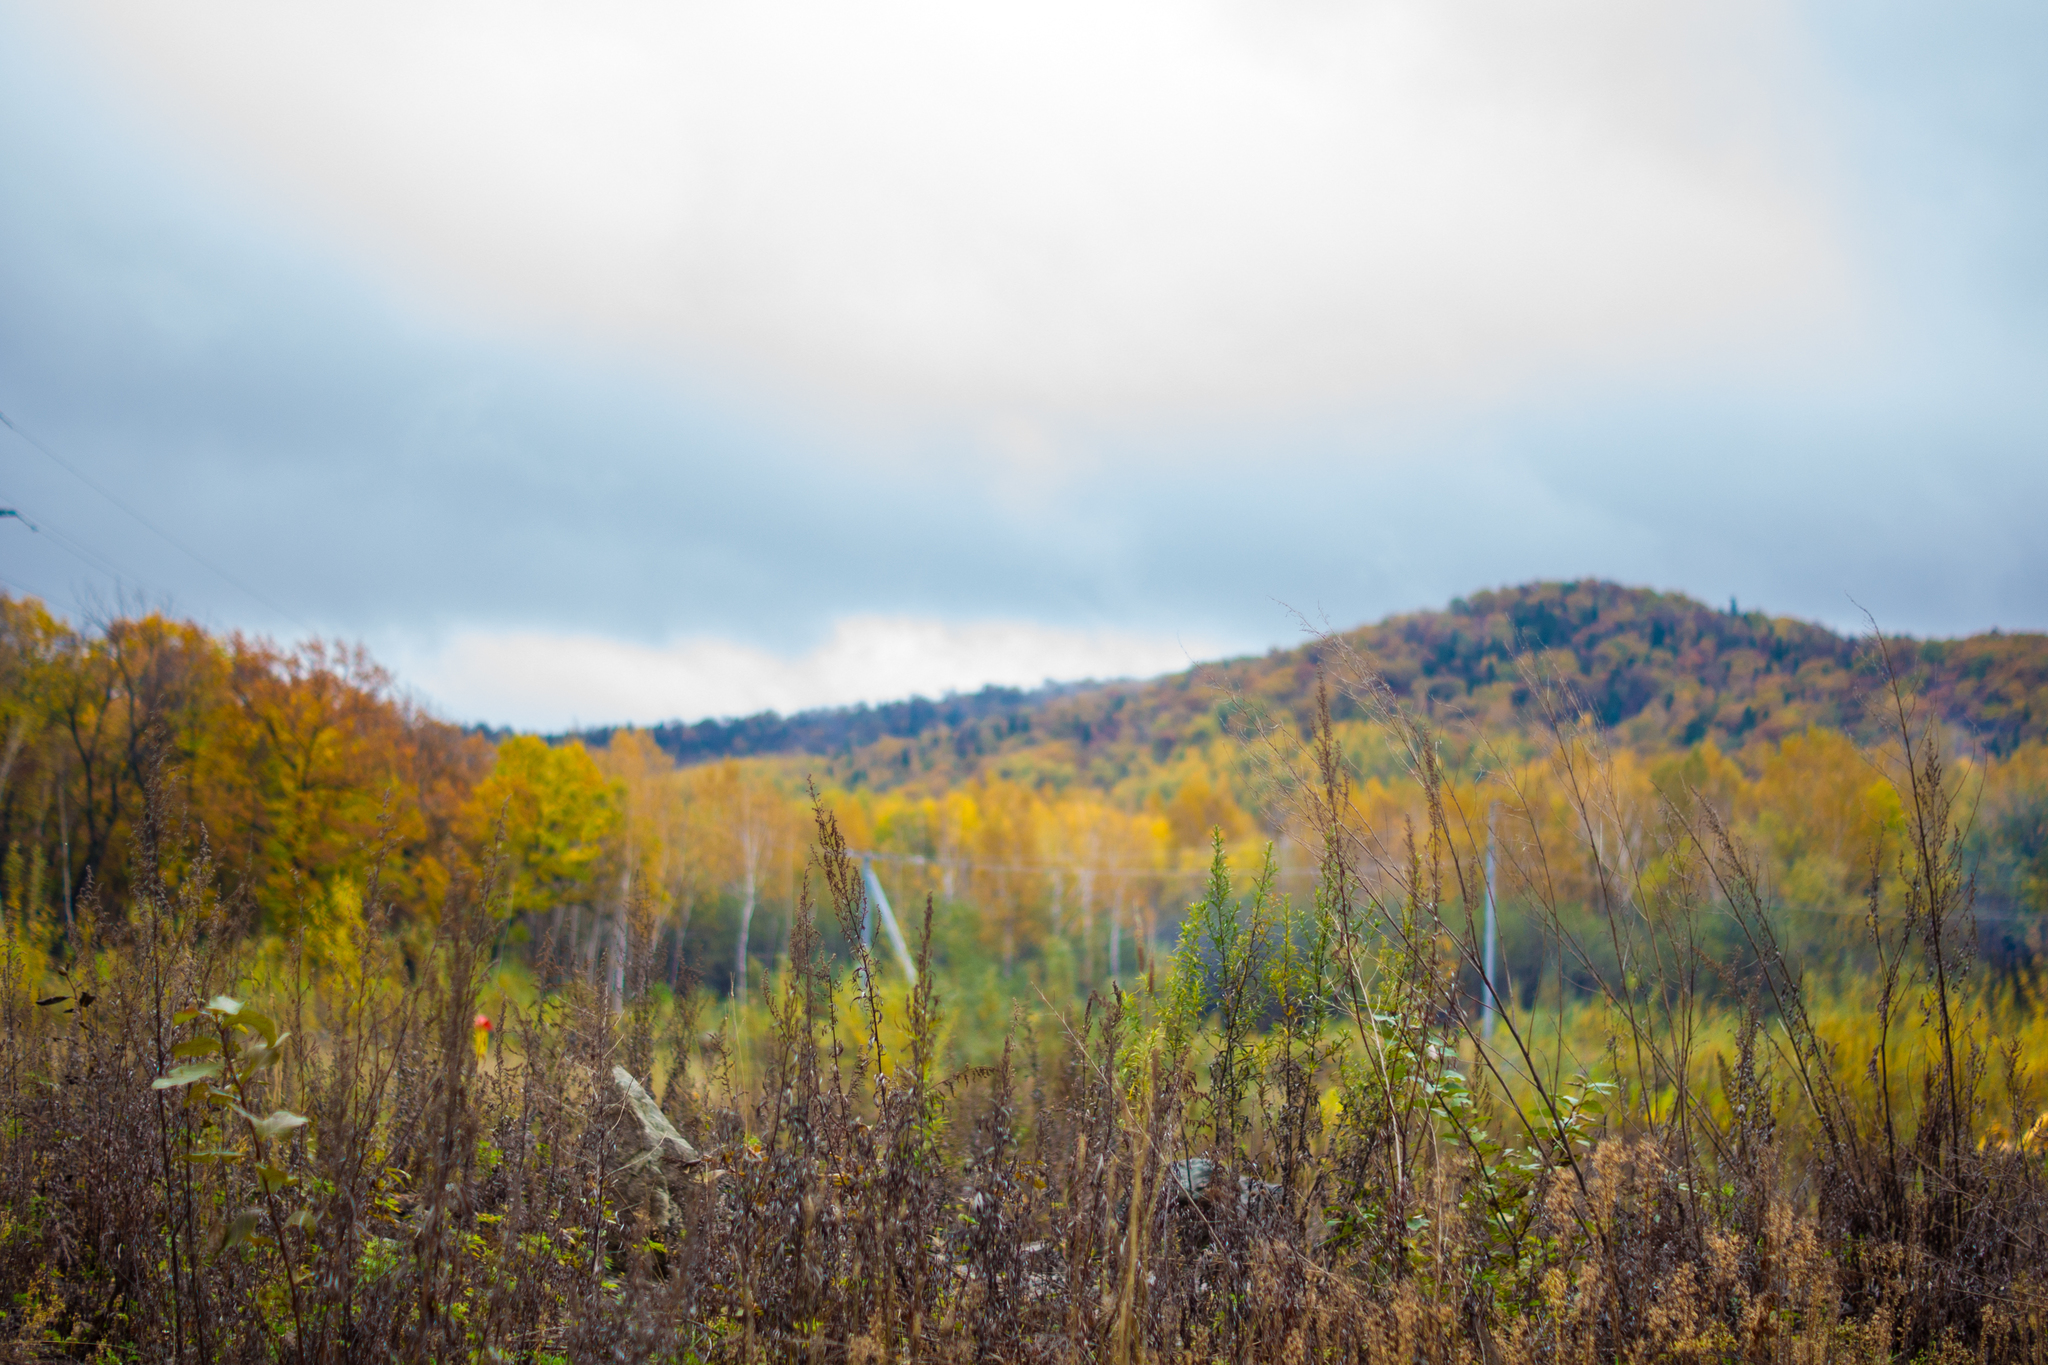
(1659, 668)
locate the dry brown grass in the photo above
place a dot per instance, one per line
(1291, 1143)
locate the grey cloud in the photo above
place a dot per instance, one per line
(377, 472)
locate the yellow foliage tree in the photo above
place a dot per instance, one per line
(745, 828)
(555, 816)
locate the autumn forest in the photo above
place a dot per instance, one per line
(1060, 831)
(1423, 992)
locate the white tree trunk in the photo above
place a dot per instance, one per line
(739, 990)
(616, 991)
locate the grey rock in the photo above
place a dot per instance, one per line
(654, 1156)
(1255, 1196)
(1191, 1177)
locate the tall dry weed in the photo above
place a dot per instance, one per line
(1291, 1140)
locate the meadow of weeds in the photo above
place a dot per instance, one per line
(1295, 1138)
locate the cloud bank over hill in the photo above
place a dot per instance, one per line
(537, 681)
(660, 357)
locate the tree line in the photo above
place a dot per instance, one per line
(299, 773)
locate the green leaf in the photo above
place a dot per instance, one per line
(262, 1023)
(186, 1074)
(210, 1155)
(225, 1005)
(280, 1122)
(274, 1177)
(303, 1220)
(185, 1016)
(197, 1047)
(257, 1057)
(237, 1231)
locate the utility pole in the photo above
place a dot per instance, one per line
(64, 847)
(867, 912)
(1116, 936)
(1488, 1007)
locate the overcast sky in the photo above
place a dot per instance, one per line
(624, 361)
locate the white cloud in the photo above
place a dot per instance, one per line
(1063, 207)
(547, 681)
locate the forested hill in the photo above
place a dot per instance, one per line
(1660, 668)
(840, 729)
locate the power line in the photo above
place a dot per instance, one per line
(30, 589)
(970, 865)
(71, 545)
(17, 584)
(160, 532)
